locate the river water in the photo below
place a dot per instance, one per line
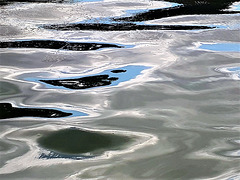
(119, 90)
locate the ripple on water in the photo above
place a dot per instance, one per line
(233, 72)
(74, 143)
(187, 8)
(7, 89)
(132, 22)
(233, 152)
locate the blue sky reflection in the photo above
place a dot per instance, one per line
(227, 47)
(130, 72)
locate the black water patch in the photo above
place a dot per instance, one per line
(118, 71)
(52, 44)
(78, 144)
(4, 2)
(189, 7)
(7, 111)
(120, 27)
(83, 83)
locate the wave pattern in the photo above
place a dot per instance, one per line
(159, 104)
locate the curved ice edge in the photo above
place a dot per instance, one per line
(31, 158)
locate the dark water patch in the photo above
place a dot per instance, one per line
(3, 2)
(224, 47)
(132, 22)
(118, 71)
(120, 27)
(78, 144)
(8, 111)
(111, 77)
(83, 83)
(188, 7)
(52, 44)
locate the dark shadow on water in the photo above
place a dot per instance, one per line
(4, 2)
(83, 83)
(186, 7)
(120, 27)
(130, 23)
(118, 71)
(7, 111)
(111, 77)
(74, 143)
(52, 44)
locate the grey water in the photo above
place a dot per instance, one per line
(89, 90)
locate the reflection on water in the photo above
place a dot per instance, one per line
(189, 7)
(3, 2)
(51, 44)
(120, 27)
(83, 83)
(56, 155)
(132, 22)
(77, 144)
(75, 1)
(33, 1)
(235, 6)
(179, 119)
(7, 89)
(228, 47)
(110, 77)
(119, 71)
(233, 72)
(7, 111)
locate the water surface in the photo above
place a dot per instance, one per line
(120, 90)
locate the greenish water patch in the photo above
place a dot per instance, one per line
(7, 88)
(72, 142)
